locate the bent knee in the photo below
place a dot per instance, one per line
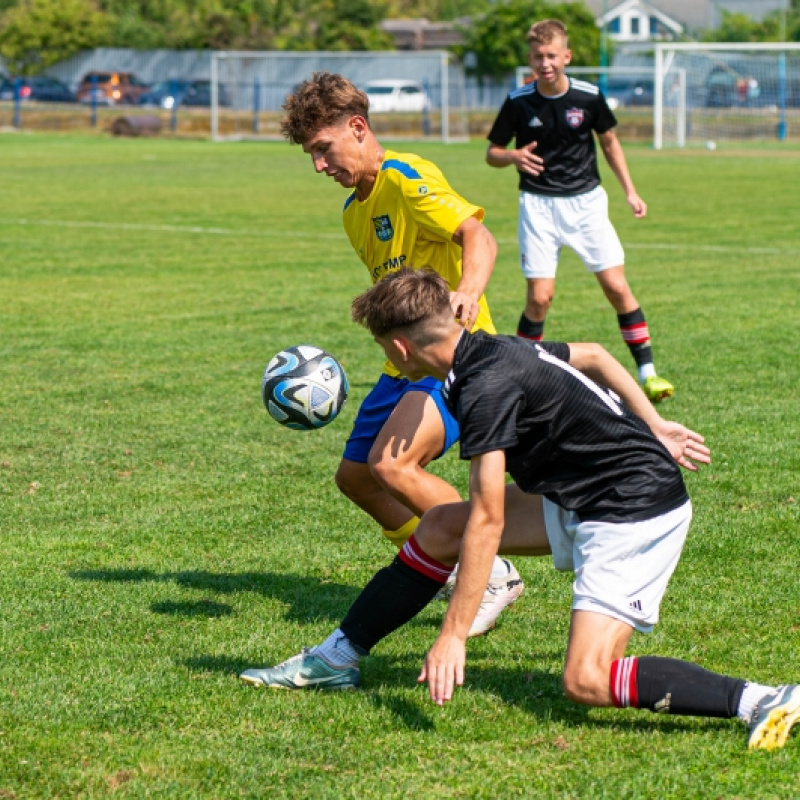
(353, 482)
(391, 472)
(446, 521)
(440, 532)
(540, 300)
(586, 685)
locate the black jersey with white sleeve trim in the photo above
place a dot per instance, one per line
(564, 436)
(562, 128)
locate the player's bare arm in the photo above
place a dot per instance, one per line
(444, 664)
(479, 251)
(686, 446)
(523, 159)
(615, 156)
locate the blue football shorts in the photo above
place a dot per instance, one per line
(378, 406)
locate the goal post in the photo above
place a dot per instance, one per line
(709, 92)
(248, 89)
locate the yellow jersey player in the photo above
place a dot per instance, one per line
(408, 220)
(401, 212)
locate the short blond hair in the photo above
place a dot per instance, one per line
(546, 31)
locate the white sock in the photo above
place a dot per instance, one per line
(337, 650)
(753, 692)
(646, 371)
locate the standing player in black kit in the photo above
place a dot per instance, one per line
(554, 119)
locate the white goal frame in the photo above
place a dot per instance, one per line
(669, 129)
(238, 104)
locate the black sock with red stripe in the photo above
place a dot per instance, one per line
(636, 335)
(671, 686)
(395, 595)
(528, 329)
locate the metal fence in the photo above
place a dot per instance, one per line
(287, 69)
(279, 73)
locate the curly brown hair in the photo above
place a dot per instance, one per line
(547, 31)
(323, 100)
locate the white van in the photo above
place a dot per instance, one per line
(396, 95)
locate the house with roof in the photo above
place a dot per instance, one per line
(636, 21)
(628, 23)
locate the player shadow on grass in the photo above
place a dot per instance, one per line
(307, 598)
(387, 680)
(536, 692)
(311, 600)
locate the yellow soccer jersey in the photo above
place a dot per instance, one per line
(408, 220)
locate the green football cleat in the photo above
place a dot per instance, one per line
(657, 388)
(304, 671)
(773, 718)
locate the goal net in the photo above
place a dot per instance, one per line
(423, 94)
(727, 91)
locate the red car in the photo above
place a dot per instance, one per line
(111, 88)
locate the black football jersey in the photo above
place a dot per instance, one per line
(563, 129)
(564, 436)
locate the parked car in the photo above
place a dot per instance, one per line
(6, 88)
(167, 94)
(199, 94)
(396, 95)
(621, 94)
(164, 94)
(732, 85)
(111, 88)
(38, 88)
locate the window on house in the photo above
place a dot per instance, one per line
(634, 26)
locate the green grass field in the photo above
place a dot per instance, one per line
(159, 533)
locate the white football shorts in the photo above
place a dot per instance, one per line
(621, 569)
(546, 224)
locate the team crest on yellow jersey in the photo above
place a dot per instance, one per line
(383, 227)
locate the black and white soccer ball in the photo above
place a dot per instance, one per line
(304, 387)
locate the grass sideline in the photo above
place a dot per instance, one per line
(158, 532)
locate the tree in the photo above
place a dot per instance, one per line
(38, 33)
(351, 25)
(737, 27)
(438, 10)
(220, 24)
(498, 37)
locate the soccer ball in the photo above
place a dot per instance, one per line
(304, 387)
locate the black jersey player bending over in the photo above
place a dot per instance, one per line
(597, 486)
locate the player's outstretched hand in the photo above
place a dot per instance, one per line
(686, 446)
(465, 308)
(444, 668)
